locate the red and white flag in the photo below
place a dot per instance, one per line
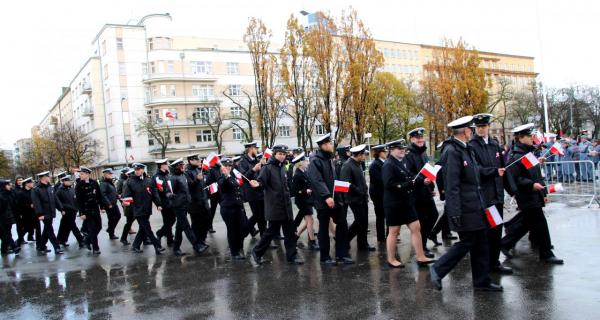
(238, 176)
(159, 184)
(557, 149)
(128, 200)
(170, 186)
(205, 165)
(430, 172)
(493, 216)
(212, 159)
(538, 137)
(341, 186)
(556, 187)
(169, 115)
(529, 161)
(213, 188)
(268, 153)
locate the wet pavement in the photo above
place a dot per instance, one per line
(122, 285)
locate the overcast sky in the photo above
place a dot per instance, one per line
(46, 42)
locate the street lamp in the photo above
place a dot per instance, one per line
(154, 15)
(368, 135)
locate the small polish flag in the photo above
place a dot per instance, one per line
(430, 171)
(128, 200)
(493, 216)
(557, 149)
(529, 161)
(170, 186)
(538, 137)
(213, 188)
(268, 153)
(239, 176)
(556, 187)
(159, 184)
(205, 165)
(341, 186)
(212, 159)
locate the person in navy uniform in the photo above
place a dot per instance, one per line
(126, 174)
(68, 208)
(161, 178)
(7, 218)
(530, 192)
(465, 209)
(250, 166)
(199, 208)
(109, 192)
(379, 154)
(89, 201)
(44, 204)
(488, 154)
(322, 175)
(302, 192)
(31, 224)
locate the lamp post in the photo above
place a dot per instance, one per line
(368, 135)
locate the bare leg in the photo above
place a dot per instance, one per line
(309, 226)
(331, 227)
(301, 228)
(417, 242)
(391, 245)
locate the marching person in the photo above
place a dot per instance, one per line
(250, 166)
(44, 204)
(143, 192)
(7, 218)
(232, 209)
(416, 158)
(58, 182)
(357, 197)
(278, 207)
(89, 200)
(488, 154)
(399, 204)
(379, 154)
(180, 200)
(68, 208)
(465, 209)
(531, 195)
(322, 176)
(161, 178)
(109, 192)
(302, 192)
(31, 224)
(18, 213)
(126, 174)
(199, 208)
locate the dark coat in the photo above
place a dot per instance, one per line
(231, 193)
(89, 197)
(8, 206)
(300, 185)
(352, 172)
(161, 179)
(66, 198)
(462, 187)
(522, 180)
(121, 184)
(24, 203)
(181, 192)
(273, 180)
(196, 187)
(376, 180)
(213, 174)
(109, 192)
(415, 159)
(321, 173)
(143, 191)
(398, 185)
(246, 166)
(489, 157)
(44, 200)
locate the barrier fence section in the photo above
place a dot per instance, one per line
(578, 179)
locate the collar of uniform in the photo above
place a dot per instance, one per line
(459, 142)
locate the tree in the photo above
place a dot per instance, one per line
(244, 119)
(592, 98)
(5, 166)
(42, 156)
(159, 131)
(217, 124)
(502, 96)
(74, 147)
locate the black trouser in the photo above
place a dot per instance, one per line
(535, 223)
(258, 215)
(475, 243)
(236, 230)
(114, 215)
(360, 225)
(214, 202)
(495, 238)
(442, 226)
(379, 218)
(48, 234)
(21, 227)
(68, 225)
(128, 222)
(289, 232)
(428, 214)
(144, 223)
(93, 222)
(6, 237)
(183, 226)
(341, 232)
(169, 217)
(32, 225)
(200, 220)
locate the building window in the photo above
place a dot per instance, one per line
(155, 91)
(144, 68)
(127, 141)
(200, 67)
(122, 68)
(153, 67)
(120, 43)
(236, 111)
(237, 133)
(170, 66)
(157, 115)
(107, 94)
(105, 71)
(205, 115)
(110, 119)
(172, 91)
(103, 47)
(233, 68)
(112, 143)
(284, 131)
(176, 137)
(204, 136)
(204, 92)
(320, 129)
(150, 141)
(235, 90)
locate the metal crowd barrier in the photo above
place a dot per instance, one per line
(578, 179)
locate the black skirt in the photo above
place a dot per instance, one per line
(304, 209)
(398, 216)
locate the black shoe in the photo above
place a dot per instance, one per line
(329, 262)
(96, 252)
(169, 242)
(125, 242)
(159, 250)
(400, 266)
(200, 247)
(436, 281)
(425, 263)
(147, 242)
(367, 248)
(238, 257)
(43, 250)
(21, 242)
(435, 241)
(258, 260)
(506, 253)
(211, 230)
(273, 246)
(16, 250)
(502, 269)
(279, 237)
(296, 261)
(179, 253)
(65, 244)
(30, 239)
(553, 260)
(253, 232)
(313, 245)
(449, 236)
(136, 250)
(490, 287)
(429, 254)
(345, 260)
(159, 235)
(113, 237)
(58, 251)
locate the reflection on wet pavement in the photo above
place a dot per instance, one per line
(123, 285)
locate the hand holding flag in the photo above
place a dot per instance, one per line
(555, 188)
(430, 172)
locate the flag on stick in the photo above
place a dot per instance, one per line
(341, 186)
(493, 216)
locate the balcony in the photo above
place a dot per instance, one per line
(148, 78)
(202, 147)
(159, 101)
(181, 123)
(86, 88)
(87, 112)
